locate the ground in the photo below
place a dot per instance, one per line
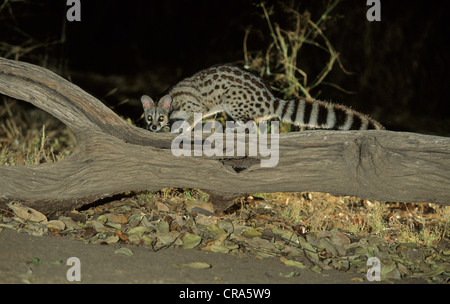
(99, 264)
(174, 237)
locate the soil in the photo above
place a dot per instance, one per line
(30, 259)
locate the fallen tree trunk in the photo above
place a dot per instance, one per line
(113, 156)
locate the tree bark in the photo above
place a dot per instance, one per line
(113, 157)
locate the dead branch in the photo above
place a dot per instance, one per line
(113, 156)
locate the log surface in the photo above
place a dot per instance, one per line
(113, 156)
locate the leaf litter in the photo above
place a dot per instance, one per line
(255, 229)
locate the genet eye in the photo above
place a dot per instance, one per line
(149, 118)
(161, 118)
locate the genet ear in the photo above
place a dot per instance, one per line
(165, 102)
(147, 101)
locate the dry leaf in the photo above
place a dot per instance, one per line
(206, 220)
(190, 240)
(111, 239)
(27, 213)
(124, 251)
(292, 263)
(55, 224)
(251, 232)
(162, 207)
(116, 218)
(121, 236)
(195, 265)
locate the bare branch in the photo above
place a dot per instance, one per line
(113, 156)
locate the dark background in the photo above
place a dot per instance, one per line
(122, 49)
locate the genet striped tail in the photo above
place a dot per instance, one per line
(324, 115)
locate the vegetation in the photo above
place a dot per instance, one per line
(31, 137)
(281, 62)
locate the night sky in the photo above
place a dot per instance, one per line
(400, 64)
